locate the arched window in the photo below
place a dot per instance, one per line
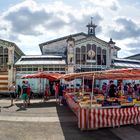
(99, 55)
(83, 54)
(103, 57)
(88, 47)
(6, 50)
(94, 47)
(1, 49)
(77, 56)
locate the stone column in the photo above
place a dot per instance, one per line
(108, 58)
(11, 77)
(70, 54)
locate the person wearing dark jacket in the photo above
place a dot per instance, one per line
(112, 89)
(60, 93)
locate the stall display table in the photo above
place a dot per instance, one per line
(93, 118)
(99, 117)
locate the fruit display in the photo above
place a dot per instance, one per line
(84, 100)
(136, 102)
(125, 104)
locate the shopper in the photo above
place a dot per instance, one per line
(24, 95)
(18, 93)
(56, 92)
(60, 93)
(28, 92)
(47, 93)
(12, 89)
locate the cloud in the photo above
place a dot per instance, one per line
(35, 21)
(126, 28)
(25, 21)
(55, 23)
(111, 4)
(80, 24)
(114, 6)
(134, 47)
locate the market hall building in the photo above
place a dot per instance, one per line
(78, 52)
(73, 53)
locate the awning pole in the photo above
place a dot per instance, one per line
(83, 85)
(92, 91)
(74, 85)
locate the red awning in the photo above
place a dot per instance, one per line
(50, 76)
(117, 74)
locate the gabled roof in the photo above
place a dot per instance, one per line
(9, 43)
(61, 38)
(126, 60)
(133, 56)
(128, 63)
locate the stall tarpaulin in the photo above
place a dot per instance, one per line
(49, 76)
(124, 74)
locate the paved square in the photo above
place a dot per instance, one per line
(49, 121)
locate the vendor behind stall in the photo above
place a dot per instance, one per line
(112, 89)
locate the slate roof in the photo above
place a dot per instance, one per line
(58, 46)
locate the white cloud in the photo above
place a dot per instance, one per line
(30, 23)
(112, 4)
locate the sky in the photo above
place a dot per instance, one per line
(31, 22)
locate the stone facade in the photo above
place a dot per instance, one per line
(83, 52)
(9, 54)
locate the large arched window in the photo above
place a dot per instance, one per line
(94, 47)
(77, 56)
(1, 50)
(83, 54)
(99, 56)
(1, 55)
(6, 50)
(88, 49)
(103, 57)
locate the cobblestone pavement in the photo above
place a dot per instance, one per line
(49, 121)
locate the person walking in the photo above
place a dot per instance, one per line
(12, 89)
(56, 92)
(18, 93)
(60, 93)
(24, 95)
(47, 93)
(28, 92)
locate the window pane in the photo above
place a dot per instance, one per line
(104, 52)
(5, 50)
(94, 48)
(98, 59)
(99, 51)
(83, 49)
(78, 50)
(88, 47)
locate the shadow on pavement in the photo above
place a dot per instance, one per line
(21, 109)
(38, 104)
(7, 106)
(72, 132)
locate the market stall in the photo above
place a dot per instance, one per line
(97, 111)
